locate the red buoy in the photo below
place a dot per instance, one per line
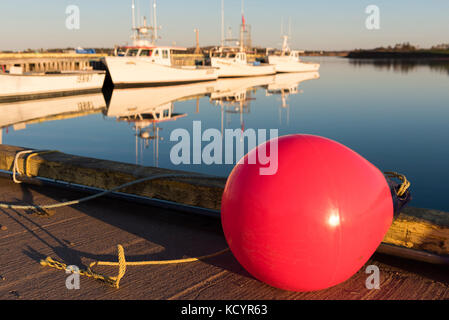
(315, 222)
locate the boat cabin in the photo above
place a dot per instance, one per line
(236, 57)
(294, 55)
(159, 55)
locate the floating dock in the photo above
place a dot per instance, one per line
(91, 231)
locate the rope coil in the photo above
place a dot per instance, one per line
(122, 264)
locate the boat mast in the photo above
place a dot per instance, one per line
(285, 37)
(133, 10)
(242, 28)
(141, 31)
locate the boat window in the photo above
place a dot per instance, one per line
(132, 52)
(156, 53)
(165, 54)
(232, 55)
(145, 53)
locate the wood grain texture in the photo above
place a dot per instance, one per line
(104, 174)
(84, 233)
(415, 228)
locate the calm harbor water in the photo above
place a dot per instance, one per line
(395, 115)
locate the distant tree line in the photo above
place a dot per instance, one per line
(407, 47)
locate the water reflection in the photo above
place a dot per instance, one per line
(18, 115)
(397, 122)
(286, 85)
(403, 65)
(146, 108)
(234, 96)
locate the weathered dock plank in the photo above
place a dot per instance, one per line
(418, 229)
(89, 232)
(104, 174)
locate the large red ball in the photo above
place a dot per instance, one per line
(315, 222)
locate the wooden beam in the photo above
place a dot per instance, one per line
(415, 228)
(421, 229)
(109, 174)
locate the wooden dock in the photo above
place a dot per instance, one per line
(44, 62)
(41, 62)
(91, 231)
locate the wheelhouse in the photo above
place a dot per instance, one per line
(149, 52)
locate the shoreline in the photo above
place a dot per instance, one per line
(397, 55)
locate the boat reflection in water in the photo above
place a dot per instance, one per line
(235, 95)
(146, 108)
(20, 114)
(287, 84)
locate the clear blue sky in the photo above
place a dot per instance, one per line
(317, 24)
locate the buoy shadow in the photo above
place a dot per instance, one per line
(180, 235)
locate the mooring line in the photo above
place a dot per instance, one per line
(16, 172)
(122, 263)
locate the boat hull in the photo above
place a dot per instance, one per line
(134, 72)
(17, 87)
(227, 69)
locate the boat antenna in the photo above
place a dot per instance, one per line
(138, 12)
(222, 24)
(282, 26)
(290, 27)
(133, 10)
(155, 36)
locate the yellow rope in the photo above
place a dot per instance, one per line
(405, 183)
(122, 263)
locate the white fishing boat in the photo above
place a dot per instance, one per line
(289, 60)
(152, 66)
(232, 62)
(235, 64)
(147, 64)
(16, 85)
